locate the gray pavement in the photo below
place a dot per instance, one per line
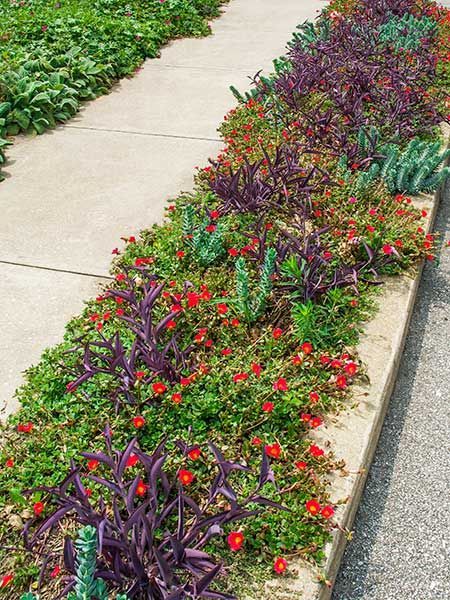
(400, 549)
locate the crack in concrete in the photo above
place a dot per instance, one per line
(55, 269)
(150, 134)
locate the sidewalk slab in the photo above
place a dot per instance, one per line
(35, 305)
(165, 101)
(73, 193)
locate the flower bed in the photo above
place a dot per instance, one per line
(56, 55)
(187, 392)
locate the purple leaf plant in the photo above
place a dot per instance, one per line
(152, 534)
(152, 353)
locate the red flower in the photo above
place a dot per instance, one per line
(327, 512)
(159, 387)
(307, 348)
(305, 417)
(194, 453)
(235, 540)
(186, 477)
(5, 580)
(240, 377)
(256, 369)
(316, 451)
(55, 571)
(138, 422)
(120, 277)
(133, 459)
(280, 565)
(235, 322)
(92, 464)
(341, 381)
(256, 441)
(171, 324)
(222, 309)
(387, 249)
(140, 374)
(268, 407)
(38, 508)
(180, 254)
(214, 214)
(281, 385)
(193, 299)
(273, 450)
(301, 465)
(210, 228)
(351, 368)
(297, 360)
(226, 351)
(9, 463)
(177, 397)
(141, 488)
(233, 251)
(25, 427)
(184, 381)
(316, 422)
(314, 397)
(313, 507)
(277, 333)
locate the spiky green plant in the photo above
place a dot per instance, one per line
(207, 246)
(308, 33)
(87, 586)
(415, 169)
(252, 304)
(406, 32)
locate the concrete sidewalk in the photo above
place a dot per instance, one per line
(71, 193)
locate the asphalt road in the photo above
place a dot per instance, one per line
(400, 549)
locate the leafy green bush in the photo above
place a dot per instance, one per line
(3, 144)
(56, 55)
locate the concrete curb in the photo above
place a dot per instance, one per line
(353, 435)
